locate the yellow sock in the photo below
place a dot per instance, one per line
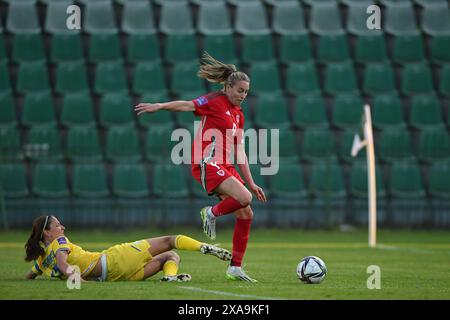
(170, 268)
(186, 243)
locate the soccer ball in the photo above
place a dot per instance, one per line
(311, 269)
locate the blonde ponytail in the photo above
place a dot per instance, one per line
(218, 72)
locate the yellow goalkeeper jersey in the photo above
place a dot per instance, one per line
(46, 264)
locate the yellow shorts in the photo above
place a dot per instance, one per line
(126, 261)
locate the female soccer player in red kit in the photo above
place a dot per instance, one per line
(221, 113)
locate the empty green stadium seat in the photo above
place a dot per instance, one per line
(289, 182)
(77, 110)
(3, 56)
(399, 19)
(50, 180)
(340, 78)
(325, 19)
(347, 111)
(379, 79)
(257, 48)
(416, 79)
(169, 181)
(433, 145)
(8, 116)
(185, 80)
(130, 181)
(122, 145)
(142, 47)
(43, 144)
(220, 47)
(265, 78)
(287, 146)
(390, 2)
(110, 77)
(444, 82)
(394, 145)
(181, 48)
(116, 110)
(186, 119)
(38, 110)
(370, 48)
(21, 48)
(10, 144)
(333, 48)
(238, 2)
(13, 180)
(426, 3)
(295, 48)
(83, 144)
(310, 111)
(317, 2)
(405, 180)
(32, 78)
(138, 18)
(358, 180)
(175, 18)
(99, 18)
(317, 145)
(271, 112)
(5, 82)
(202, 2)
(66, 48)
(163, 2)
(158, 144)
(149, 77)
(387, 111)
(439, 180)
(408, 49)
(327, 181)
(302, 78)
(22, 18)
(440, 49)
(213, 19)
(436, 20)
(104, 47)
(251, 19)
(71, 78)
(426, 112)
(89, 180)
(288, 18)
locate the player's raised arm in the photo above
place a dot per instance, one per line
(176, 106)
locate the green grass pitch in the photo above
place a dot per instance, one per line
(413, 265)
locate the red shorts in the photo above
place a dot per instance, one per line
(210, 175)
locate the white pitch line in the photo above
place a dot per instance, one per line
(409, 249)
(223, 293)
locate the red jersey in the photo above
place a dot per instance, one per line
(226, 122)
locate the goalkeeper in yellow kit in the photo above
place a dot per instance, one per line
(56, 256)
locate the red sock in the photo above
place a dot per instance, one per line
(226, 206)
(240, 239)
